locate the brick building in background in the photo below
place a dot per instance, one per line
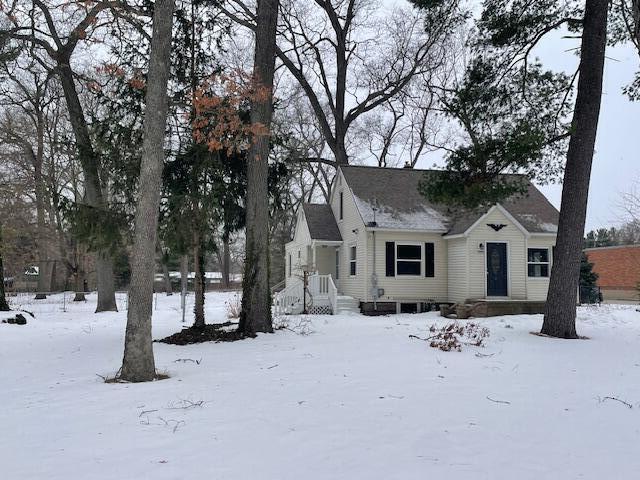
(618, 270)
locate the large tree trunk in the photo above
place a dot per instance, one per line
(256, 296)
(4, 306)
(560, 313)
(635, 27)
(105, 283)
(198, 281)
(93, 196)
(138, 364)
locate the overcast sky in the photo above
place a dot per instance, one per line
(616, 164)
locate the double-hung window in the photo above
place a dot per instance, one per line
(352, 260)
(408, 259)
(538, 262)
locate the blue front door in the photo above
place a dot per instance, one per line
(497, 270)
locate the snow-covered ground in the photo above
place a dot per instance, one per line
(356, 399)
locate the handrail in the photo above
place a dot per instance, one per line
(319, 284)
(286, 299)
(278, 287)
(318, 287)
(333, 295)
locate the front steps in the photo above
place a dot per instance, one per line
(346, 305)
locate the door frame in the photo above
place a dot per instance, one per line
(486, 269)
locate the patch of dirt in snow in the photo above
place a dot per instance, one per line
(208, 333)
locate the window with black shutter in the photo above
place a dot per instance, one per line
(390, 257)
(429, 260)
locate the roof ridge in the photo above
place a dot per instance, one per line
(412, 169)
(377, 167)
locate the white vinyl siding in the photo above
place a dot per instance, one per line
(457, 267)
(353, 232)
(408, 287)
(537, 287)
(297, 251)
(516, 256)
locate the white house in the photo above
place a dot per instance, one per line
(382, 247)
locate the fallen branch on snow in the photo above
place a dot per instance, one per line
(627, 404)
(185, 360)
(185, 405)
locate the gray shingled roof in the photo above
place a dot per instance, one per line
(394, 191)
(321, 222)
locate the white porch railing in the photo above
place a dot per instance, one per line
(288, 300)
(319, 285)
(333, 296)
(322, 287)
(321, 290)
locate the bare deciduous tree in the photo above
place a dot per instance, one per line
(26, 99)
(349, 59)
(52, 32)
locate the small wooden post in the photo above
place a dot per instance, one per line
(305, 284)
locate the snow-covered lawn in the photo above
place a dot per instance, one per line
(356, 399)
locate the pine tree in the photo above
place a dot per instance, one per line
(560, 311)
(588, 281)
(588, 277)
(524, 133)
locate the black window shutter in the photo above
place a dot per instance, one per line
(391, 259)
(429, 263)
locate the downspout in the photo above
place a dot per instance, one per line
(374, 275)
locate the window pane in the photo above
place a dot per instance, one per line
(409, 252)
(353, 268)
(408, 268)
(538, 270)
(538, 255)
(353, 253)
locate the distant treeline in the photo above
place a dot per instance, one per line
(627, 234)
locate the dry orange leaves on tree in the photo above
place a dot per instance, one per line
(222, 111)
